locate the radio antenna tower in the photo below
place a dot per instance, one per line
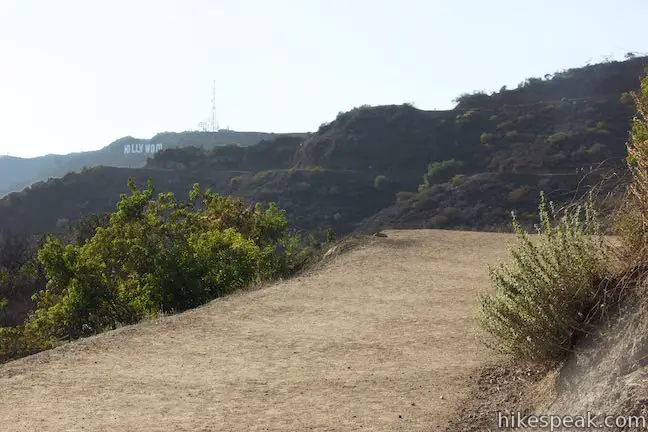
(214, 122)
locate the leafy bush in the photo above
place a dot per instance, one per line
(475, 99)
(235, 182)
(486, 138)
(458, 179)
(629, 225)
(512, 134)
(292, 253)
(505, 125)
(329, 235)
(439, 171)
(558, 137)
(13, 343)
(154, 255)
(596, 149)
(84, 228)
(20, 276)
(465, 117)
(632, 223)
(380, 182)
(552, 291)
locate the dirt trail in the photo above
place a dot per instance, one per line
(380, 339)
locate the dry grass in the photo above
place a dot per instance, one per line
(380, 338)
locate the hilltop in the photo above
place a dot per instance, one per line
(17, 173)
(392, 166)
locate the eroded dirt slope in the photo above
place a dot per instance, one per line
(379, 339)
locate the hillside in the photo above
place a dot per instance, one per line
(395, 166)
(380, 338)
(18, 173)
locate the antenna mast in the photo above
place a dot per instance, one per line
(214, 122)
(211, 124)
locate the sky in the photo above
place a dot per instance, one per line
(76, 75)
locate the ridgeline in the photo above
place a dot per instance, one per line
(386, 166)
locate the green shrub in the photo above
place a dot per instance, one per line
(558, 137)
(16, 342)
(632, 223)
(155, 255)
(518, 194)
(597, 130)
(511, 134)
(329, 235)
(486, 138)
(629, 225)
(261, 176)
(551, 292)
(235, 181)
(380, 182)
(458, 179)
(474, 99)
(439, 171)
(11, 343)
(505, 125)
(596, 149)
(465, 117)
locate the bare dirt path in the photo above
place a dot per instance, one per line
(379, 339)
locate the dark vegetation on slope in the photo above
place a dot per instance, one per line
(512, 145)
(570, 308)
(18, 173)
(481, 201)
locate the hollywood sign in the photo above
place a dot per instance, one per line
(142, 148)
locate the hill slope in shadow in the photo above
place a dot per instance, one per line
(395, 165)
(18, 173)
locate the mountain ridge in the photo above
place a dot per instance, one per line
(16, 173)
(390, 165)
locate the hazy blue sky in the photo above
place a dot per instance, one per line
(76, 75)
